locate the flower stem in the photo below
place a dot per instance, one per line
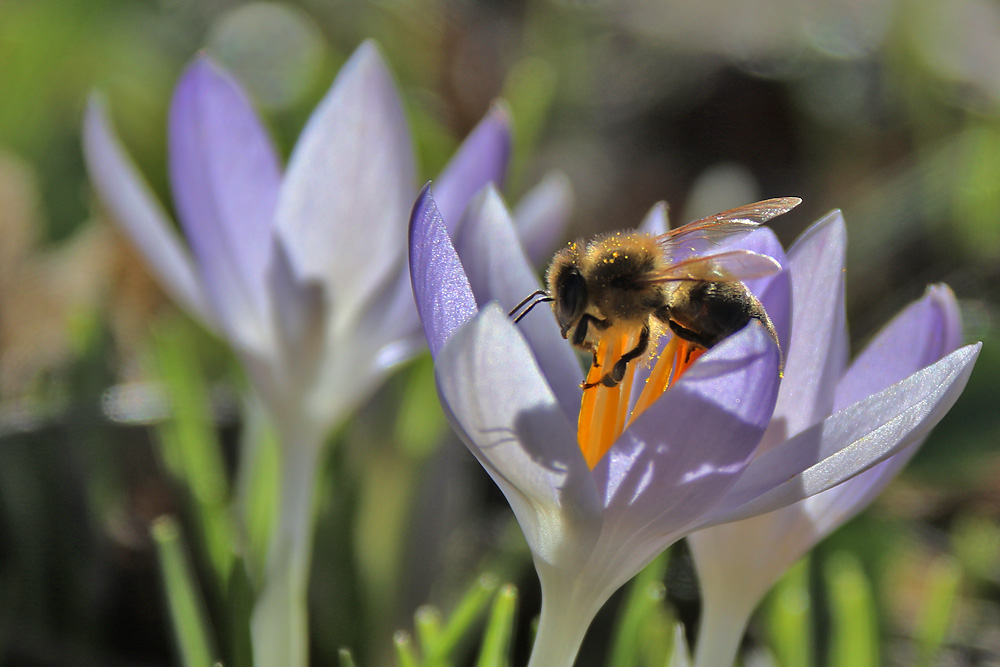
(721, 633)
(280, 625)
(559, 635)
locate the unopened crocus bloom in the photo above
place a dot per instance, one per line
(738, 562)
(302, 269)
(512, 392)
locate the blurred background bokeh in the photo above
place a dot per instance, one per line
(886, 109)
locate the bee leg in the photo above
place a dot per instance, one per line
(691, 336)
(617, 373)
(580, 333)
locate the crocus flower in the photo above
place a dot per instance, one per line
(686, 462)
(739, 562)
(302, 270)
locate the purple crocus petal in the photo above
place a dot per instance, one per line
(656, 222)
(687, 449)
(349, 186)
(498, 270)
(818, 351)
(920, 335)
(135, 209)
(542, 215)
(225, 177)
(917, 337)
(482, 158)
(774, 291)
(849, 442)
(505, 412)
(440, 288)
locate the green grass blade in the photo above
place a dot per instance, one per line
(187, 611)
(789, 615)
(344, 658)
(239, 604)
(191, 448)
(854, 639)
(530, 90)
(405, 654)
(257, 485)
(943, 579)
(428, 623)
(638, 615)
(975, 541)
(461, 621)
(495, 651)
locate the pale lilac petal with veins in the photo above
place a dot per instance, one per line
(226, 177)
(349, 186)
(882, 406)
(134, 207)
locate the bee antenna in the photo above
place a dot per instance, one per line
(541, 299)
(525, 300)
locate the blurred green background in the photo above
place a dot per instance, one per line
(886, 109)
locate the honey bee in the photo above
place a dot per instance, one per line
(620, 282)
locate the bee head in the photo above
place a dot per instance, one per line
(568, 288)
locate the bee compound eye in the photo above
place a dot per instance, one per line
(572, 299)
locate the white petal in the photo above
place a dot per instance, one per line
(498, 270)
(506, 413)
(346, 199)
(680, 656)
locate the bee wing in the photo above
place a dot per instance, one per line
(698, 236)
(724, 267)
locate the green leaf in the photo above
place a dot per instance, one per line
(943, 579)
(187, 610)
(344, 657)
(420, 420)
(977, 190)
(644, 627)
(976, 544)
(854, 632)
(404, 649)
(530, 89)
(460, 623)
(240, 598)
(789, 612)
(258, 480)
(190, 446)
(495, 651)
(428, 624)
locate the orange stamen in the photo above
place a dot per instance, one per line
(591, 410)
(659, 378)
(687, 354)
(604, 411)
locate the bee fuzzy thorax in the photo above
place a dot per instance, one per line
(618, 266)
